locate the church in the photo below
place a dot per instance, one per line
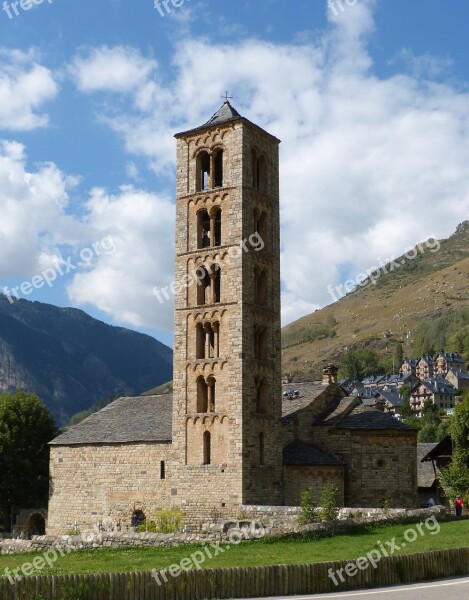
(229, 435)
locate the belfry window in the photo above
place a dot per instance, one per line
(203, 171)
(259, 172)
(202, 395)
(208, 285)
(211, 384)
(260, 226)
(218, 169)
(207, 340)
(207, 441)
(260, 343)
(216, 220)
(203, 229)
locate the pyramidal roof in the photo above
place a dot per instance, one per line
(224, 114)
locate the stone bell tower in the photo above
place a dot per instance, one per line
(227, 372)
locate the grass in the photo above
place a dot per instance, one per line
(268, 551)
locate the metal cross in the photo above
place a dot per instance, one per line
(226, 97)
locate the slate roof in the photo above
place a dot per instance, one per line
(459, 374)
(442, 449)
(366, 417)
(439, 385)
(301, 453)
(425, 472)
(225, 114)
(393, 397)
(452, 357)
(291, 407)
(137, 419)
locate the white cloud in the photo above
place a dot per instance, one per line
(369, 164)
(141, 226)
(25, 86)
(36, 231)
(118, 69)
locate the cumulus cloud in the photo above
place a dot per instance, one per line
(25, 86)
(121, 283)
(128, 237)
(364, 158)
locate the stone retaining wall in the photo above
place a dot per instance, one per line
(254, 522)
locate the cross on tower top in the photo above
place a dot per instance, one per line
(226, 97)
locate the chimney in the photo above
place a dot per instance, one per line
(329, 375)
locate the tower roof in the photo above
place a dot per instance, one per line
(224, 114)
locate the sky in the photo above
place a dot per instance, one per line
(369, 97)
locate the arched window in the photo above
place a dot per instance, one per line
(204, 284)
(203, 171)
(262, 174)
(218, 168)
(261, 226)
(216, 219)
(259, 172)
(260, 343)
(261, 397)
(261, 449)
(207, 441)
(261, 287)
(200, 341)
(216, 284)
(203, 229)
(202, 395)
(211, 383)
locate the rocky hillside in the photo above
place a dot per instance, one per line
(72, 360)
(433, 283)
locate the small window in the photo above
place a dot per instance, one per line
(162, 470)
(207, 448)
(202, 395)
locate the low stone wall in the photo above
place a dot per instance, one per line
(262, 521)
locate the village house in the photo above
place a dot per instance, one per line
(446, 361)
(229, 435)
(436, 389)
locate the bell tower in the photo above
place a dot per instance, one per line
(227, 372)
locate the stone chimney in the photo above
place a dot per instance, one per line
(329, 375)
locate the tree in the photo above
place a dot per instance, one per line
(455, 478)
(26, 428)
(406, 410)
(398, 356)
(357, 364)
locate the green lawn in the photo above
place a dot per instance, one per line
(256, 553)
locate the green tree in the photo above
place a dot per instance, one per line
(357, 364)
(26, 428)
(330, 498)
(309, 507)
(456, 477)
(398, 356)
(406, 410)
(428, 433)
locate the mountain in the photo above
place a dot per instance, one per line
(72, 360)
(413, 292)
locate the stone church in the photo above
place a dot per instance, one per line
(228, 435)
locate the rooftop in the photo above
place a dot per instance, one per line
(301, 453)
(128, 419)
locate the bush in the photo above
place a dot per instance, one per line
(330, 495)
(164, 521)
(309, 508)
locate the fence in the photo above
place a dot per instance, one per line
(241, 582)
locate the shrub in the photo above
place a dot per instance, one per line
(309, 507)
(330, 495)
(163, 521)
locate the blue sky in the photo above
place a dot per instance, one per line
(371, 103)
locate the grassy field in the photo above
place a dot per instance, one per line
(256, 553)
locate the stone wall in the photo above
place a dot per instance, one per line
(299, 478)
(94, 483)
